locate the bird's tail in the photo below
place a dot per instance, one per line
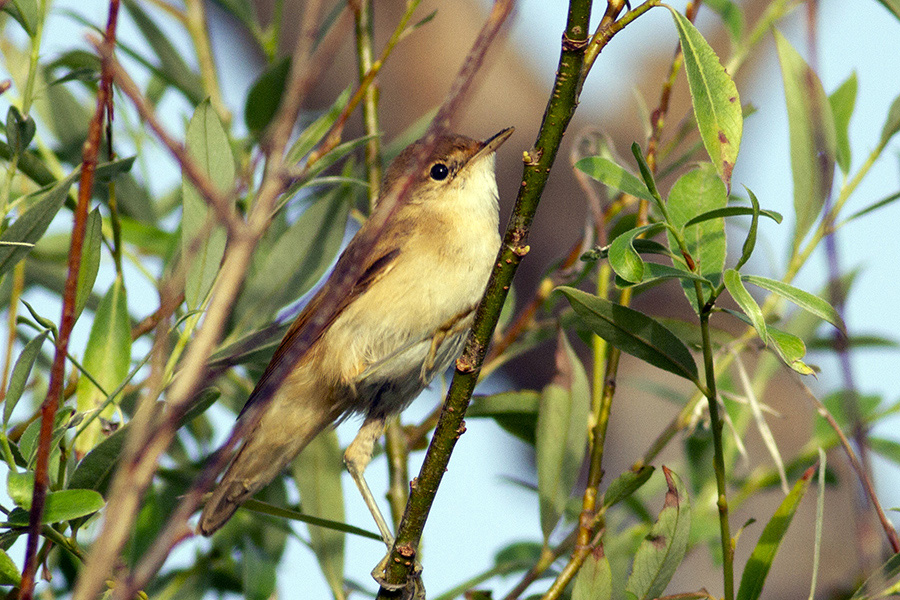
(283, 431)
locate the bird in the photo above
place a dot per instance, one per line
(404, 321)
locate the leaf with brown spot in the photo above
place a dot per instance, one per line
(664, 546)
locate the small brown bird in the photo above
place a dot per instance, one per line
(404, 321)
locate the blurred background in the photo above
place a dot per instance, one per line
(481, 507)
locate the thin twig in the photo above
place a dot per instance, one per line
(89, 158)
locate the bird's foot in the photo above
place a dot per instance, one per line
(413, 588)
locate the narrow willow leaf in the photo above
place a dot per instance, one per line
(20, 130)
(731, 16)
(892, 123)
(625, 485)
(208, 145)
(624, 259)
(714, 96)
(594, 579)
(812, 136)
(33, 223)
(695, 192)
(90, 260)
(656, 272)
(872, 207)
(516, 412)
(20, 374)
(805, 300)
(9, 572)
(633, 332)
(882, 583)
(663, 548)
(791, 349)
(842, 101)
(314, 133)
(734, 211)
(750, 240)
(182, 77)
(95, 469)
(297, 260)
(748, 304)
(760, 561)
(317, 472)
(561, 435)
(820, 522)
(642, 245)
(61, 506)
(26, 12)
(106, 358)
(612, 175)
(265, 94)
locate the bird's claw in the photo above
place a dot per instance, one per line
(413, 588)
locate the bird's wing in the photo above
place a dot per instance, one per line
(373, 272)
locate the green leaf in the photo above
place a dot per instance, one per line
(264, 96)
(27, 14)
(842, 101)
(33, 223)
(171, 63)
(812, 135)
(872, 207)
(90, 260)
(19, 130)
(663, 548)
(313, 134)
(656, 272)
(733, 211)
(882, 583)
(20, 374)
(297, 260)
(61, 506)
(731, 16)
(516, 412)
(623, 486)
(106, 357)
(317, 471)
(757, 568)
(561, 434)
(892, 123)
(612, 175)
(20, 487)
(750, 240)
(594, 579)
(9, 572)
(808, 302)
(624, 259)
(95, 470)
(714, 96)
(208, 145)
(110, 170)
(748, 304)
(790, 348)
(695, 192)
(633, 332)
(242, 10)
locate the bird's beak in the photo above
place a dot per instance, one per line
(491, 144)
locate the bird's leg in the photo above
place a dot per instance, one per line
(357, 457)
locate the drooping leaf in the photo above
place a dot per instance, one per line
(663, 548)
(561, 434)
(317, 472)
(633, 332)
(750, 240)
(612, 175)
(805, 300)
(760, 561)
(208, 145)
(9, 572)
(19, 237)
(748, 304)
(107, 358)
(700, 191)
(624, 259)
(90, 260)
(812, 136)
(790, 348)
(594, 579)
(20, 373)
(842, 102)
(714, 96)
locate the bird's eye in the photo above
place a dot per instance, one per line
(439, 171)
